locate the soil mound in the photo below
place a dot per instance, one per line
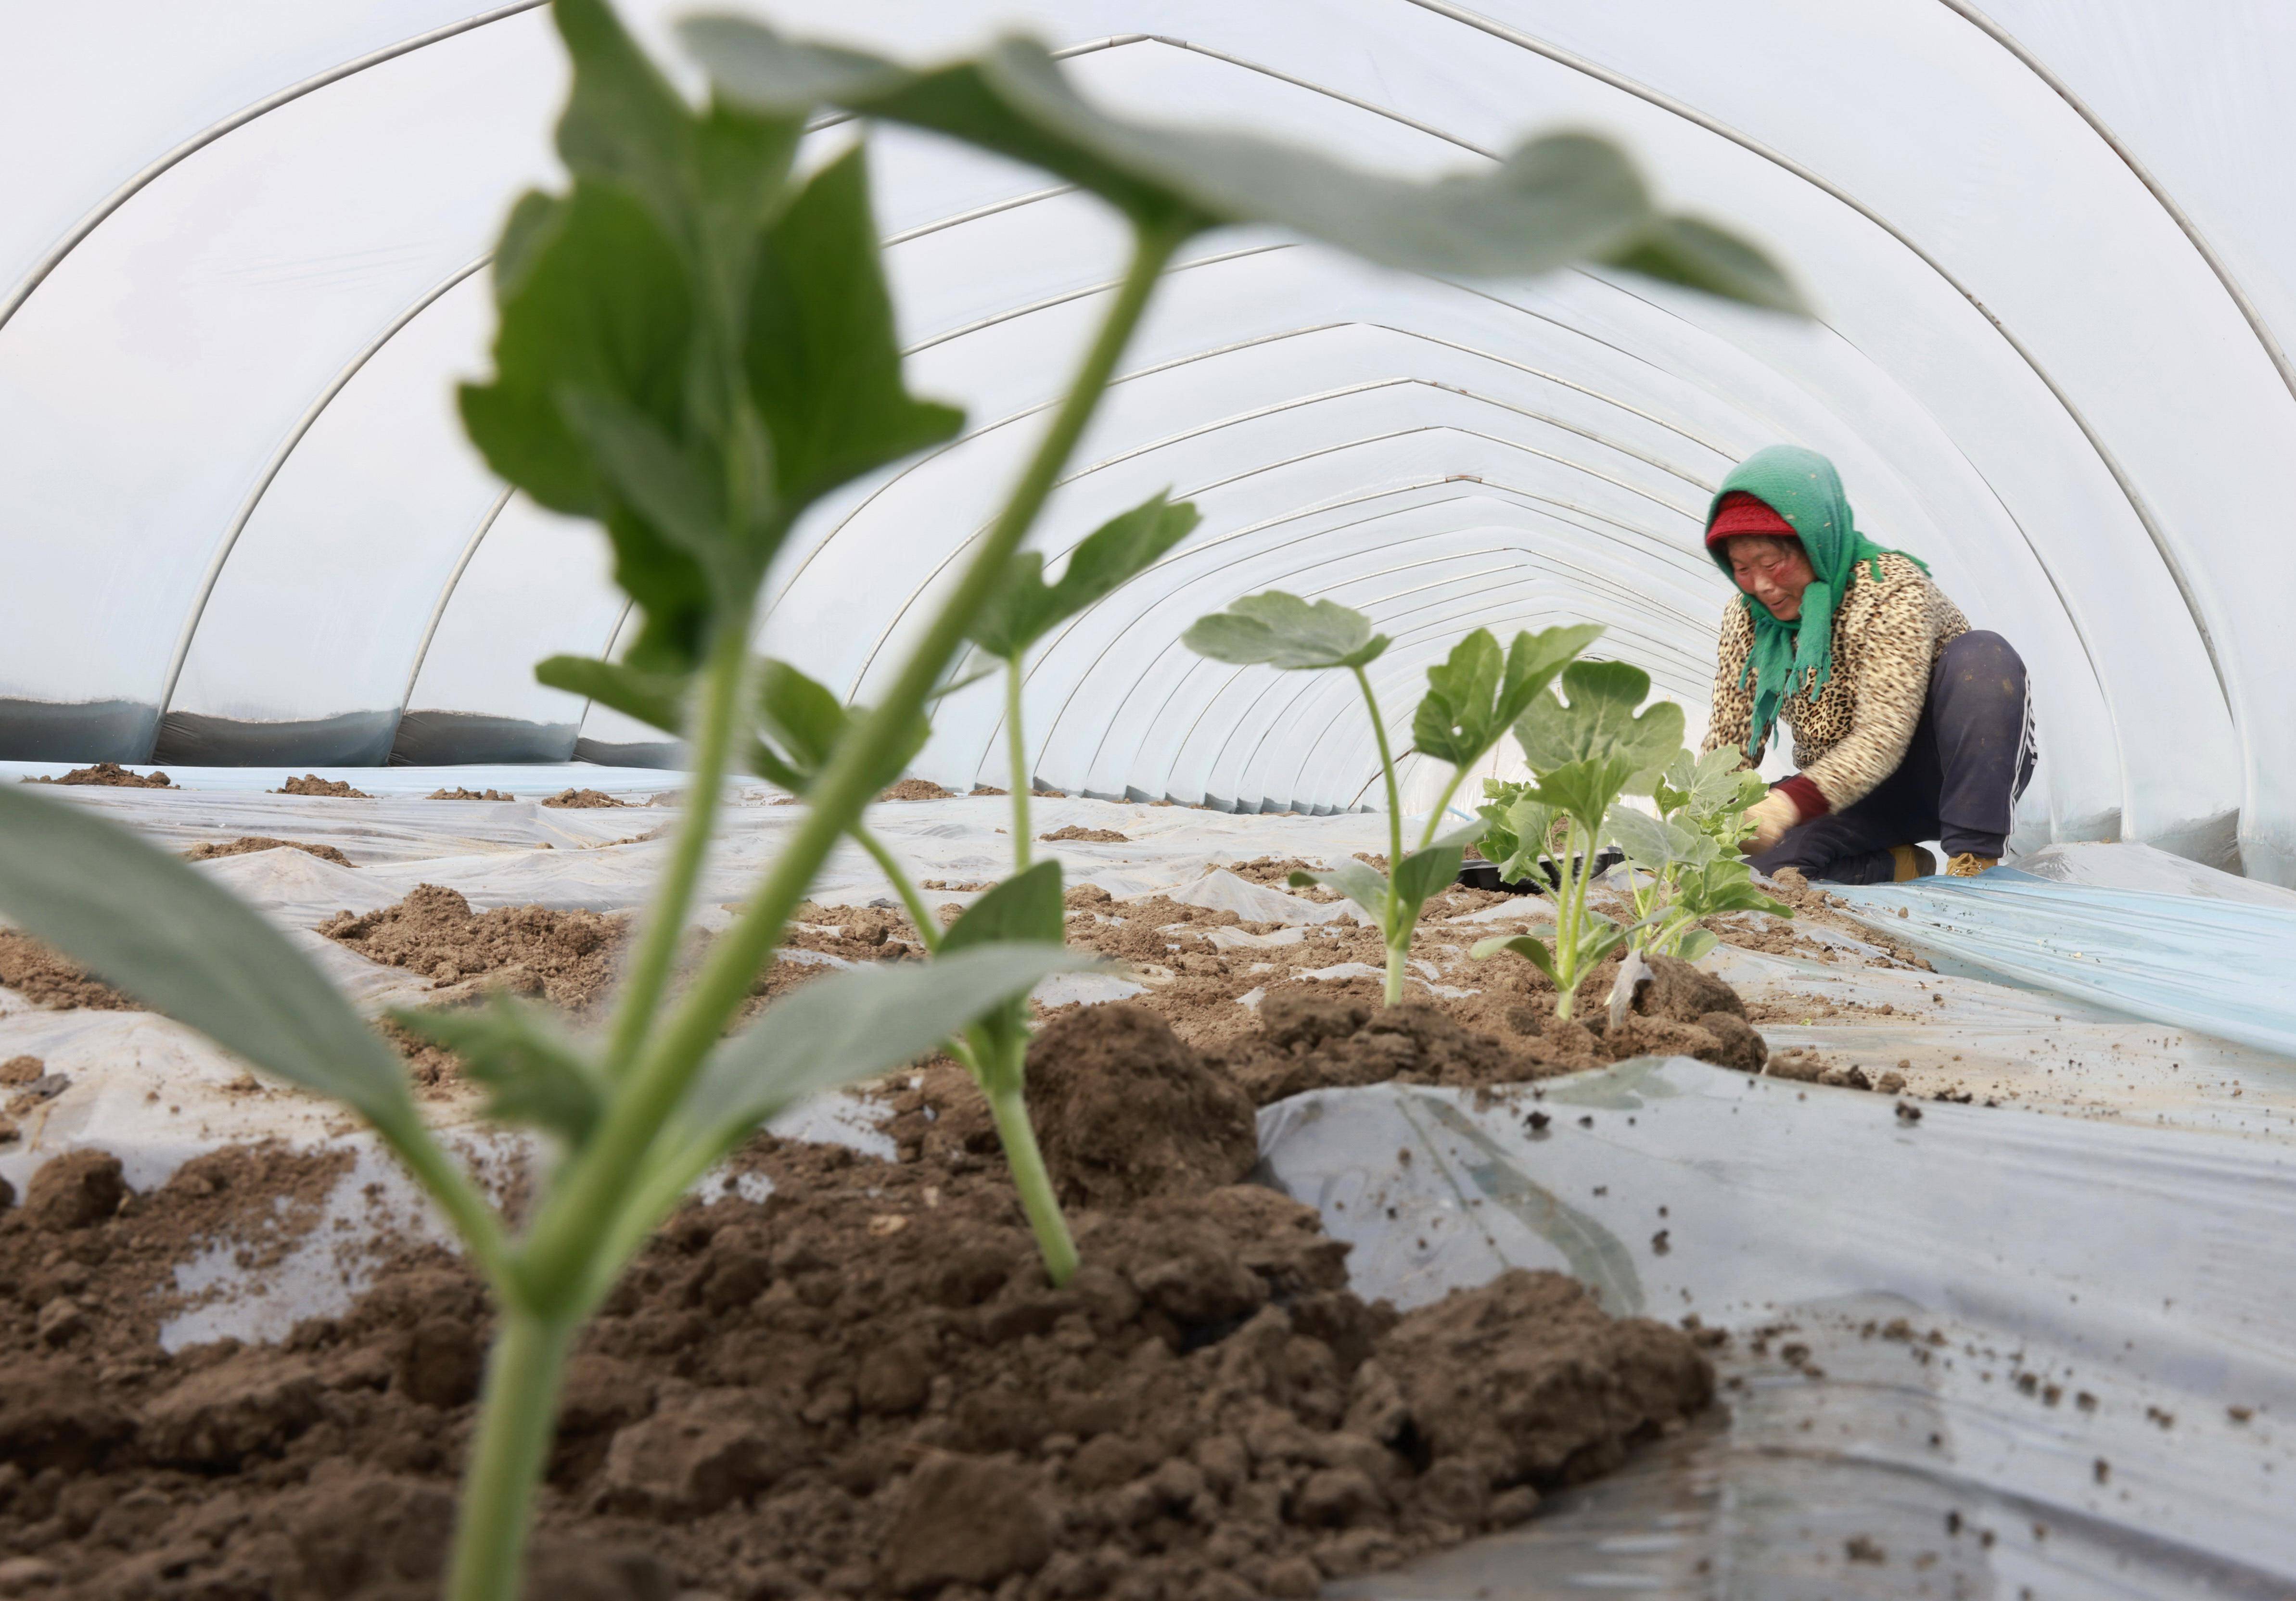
(1324, 1034)
(1311, 1038)
(459, 793)
(1087, 835)
(566, 956)
(311, 783)
(1125, 1111)
(46, 978)
(861, 1386)
(113, 775)
(919, 789)
(247, 845)
(990, 790)
(581, 800)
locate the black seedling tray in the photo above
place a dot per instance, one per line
(1485, 875)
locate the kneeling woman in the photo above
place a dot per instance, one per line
(1908, 724)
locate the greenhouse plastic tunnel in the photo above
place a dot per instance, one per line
(2050, 253)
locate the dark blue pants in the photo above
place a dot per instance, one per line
(1971, 756)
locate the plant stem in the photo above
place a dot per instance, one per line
(581, 1210)
(1566, 923)
(1394, 993)
(928, 927)
(724, 680)
(1008, 1107)
(518, 1420)
(1016, 750)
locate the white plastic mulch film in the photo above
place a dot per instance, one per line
(239, 279)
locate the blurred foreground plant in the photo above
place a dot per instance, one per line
(695, 346)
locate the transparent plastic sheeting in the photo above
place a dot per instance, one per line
(2223, 966)
(243, 525)
(2101, 1297)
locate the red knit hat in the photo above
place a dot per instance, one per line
(1743, 513)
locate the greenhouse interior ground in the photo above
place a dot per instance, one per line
(1932, 1236)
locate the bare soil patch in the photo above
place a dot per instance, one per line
(581, 800)
(311, 783)
(863, 1385)
(111, 775)
(566, 956)
(247, 845)
(916, 789)
(459, 793)
(1083, 835)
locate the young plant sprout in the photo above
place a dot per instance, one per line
(1471, 699)
(1585, 753)
(695, 347)
(1686, 858)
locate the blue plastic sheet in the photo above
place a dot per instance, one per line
(2218, 967)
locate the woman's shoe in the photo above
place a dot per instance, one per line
(1968, 865)
(1913, 862)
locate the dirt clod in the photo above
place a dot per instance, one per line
(311, 783)
(247, 845)
(566, 956)
(459, 793)
(111, 775)
(46, 978)
(1083, 835)
(581, 800)
(1124, 1110)
(74, 1190)
(915, 790)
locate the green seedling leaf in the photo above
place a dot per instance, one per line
(800, 723)
(1696, 943)
(1353, 877)
(657, 699)
(1277, 630)
(535, 1074)
(1026, 906)
(1599, 722)
(1530, 948)
(173, 939)
(1428, 871)
(1585, 789)
(594, 301)
(674, 487)
(1552, 201)
(1653, 843)
(1025, 607)
(844, 1028)
(824, 365)
(1519, 829)
(1724, 886)
(1474, 697)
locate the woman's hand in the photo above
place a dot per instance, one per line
(1770, 817)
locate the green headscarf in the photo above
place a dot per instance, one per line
(1801, 486)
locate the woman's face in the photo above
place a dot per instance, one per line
(1774, 571)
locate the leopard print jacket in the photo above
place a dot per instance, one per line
(1886, 634)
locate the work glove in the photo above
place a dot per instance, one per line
(1769, 818)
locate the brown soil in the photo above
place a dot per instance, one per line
(909, 789)
(1125, 1111)
(459, 793)
(990, 790)
(311, 783)
(1087, 835)
(566, 956)
(1275, 870)
(45, 978)
(113, 775)
(861, 1386)
(959, 885)
(247, 845)
(582, 800)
